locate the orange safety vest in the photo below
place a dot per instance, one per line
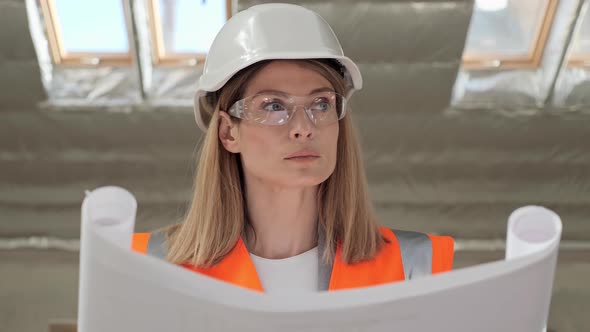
(408, 255)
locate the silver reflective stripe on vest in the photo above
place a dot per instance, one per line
(157, 245)
(416, 250)
(324, 269)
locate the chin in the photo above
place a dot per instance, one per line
(305, 183)
(301, 180)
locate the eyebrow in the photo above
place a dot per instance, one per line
(324, 89)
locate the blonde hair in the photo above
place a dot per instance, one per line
(217, 214)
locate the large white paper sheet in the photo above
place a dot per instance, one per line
(124, 291)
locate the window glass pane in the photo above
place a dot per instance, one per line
(189, 26)
(95, 26)
(505, 28)
(581, 44)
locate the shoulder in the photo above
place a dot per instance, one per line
(443, 251)
(154, 242)
(441, 247)
(139, 242)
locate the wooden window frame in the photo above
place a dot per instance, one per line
(579, 61)
(532, 60)
(59, 54)
(159, 55)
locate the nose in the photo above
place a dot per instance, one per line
(301, 125)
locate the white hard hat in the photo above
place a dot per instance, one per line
(266, 32)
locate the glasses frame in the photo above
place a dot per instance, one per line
(237, 108)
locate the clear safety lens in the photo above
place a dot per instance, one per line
(277, 109)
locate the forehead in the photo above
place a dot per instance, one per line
(291, 77)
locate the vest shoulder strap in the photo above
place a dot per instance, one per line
(416, 252)
(139, 242)
(157, 245)
(443, 252)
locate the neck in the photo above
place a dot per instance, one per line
(283, 220)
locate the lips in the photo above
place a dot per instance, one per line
(303, 153)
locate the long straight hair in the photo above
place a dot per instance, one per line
(217, 214)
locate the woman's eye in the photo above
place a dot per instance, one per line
(322, 106)
(273, 107)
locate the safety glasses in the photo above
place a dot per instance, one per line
(276, 109)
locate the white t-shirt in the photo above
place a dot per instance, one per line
(288, 275)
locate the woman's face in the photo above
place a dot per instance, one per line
(265, 149)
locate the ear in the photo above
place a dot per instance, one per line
(228, 133)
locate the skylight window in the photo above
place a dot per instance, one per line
(508, 33)
(87, 32)
(183, 30)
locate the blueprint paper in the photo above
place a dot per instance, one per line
(531, 229)
(121, 290)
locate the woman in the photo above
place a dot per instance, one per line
(280, 200)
